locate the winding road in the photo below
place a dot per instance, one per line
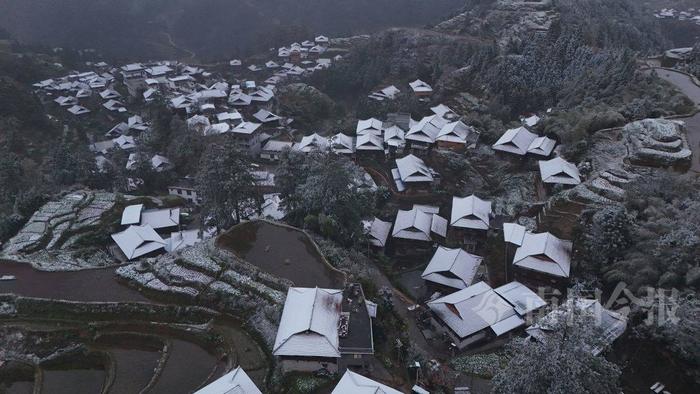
(686, 84)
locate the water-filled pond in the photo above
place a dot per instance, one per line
(281, 251)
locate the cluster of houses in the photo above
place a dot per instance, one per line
(691, 14)
(145, 229)
(419, 88)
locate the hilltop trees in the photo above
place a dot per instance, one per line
(562, 363)
(325, 191)
(226, 185)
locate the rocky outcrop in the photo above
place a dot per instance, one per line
(657, 143)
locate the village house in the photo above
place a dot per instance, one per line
(124, 142)
(479, 313)
(313, 142)
(369, 126)
(324, 329)
(139, 241)
(451, 269)
(132, 71)
(412, 174)
(78, 110)
(342, 144)
(470, 217)
(388, 93)
(611, 325)
(234, 382)
(119, 129)
(161, 163)
(156, 218)
(521, 141)
(114, 106)
(559, 171)
(422, 135)
(272, 149)
(185, 189)
(445, 112)
(416, 230)
(394, 139)
(370, 144)
(420, 88)
(354, 383)
(530, 121)
(542, 258)
(109, 94)
(456, 136)
(248, 137)
(66, 101)
(377, 232)
(186, 238)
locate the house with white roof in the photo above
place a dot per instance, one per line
(66, 101)
(420, 224)
(412, 172)
(78, 110)
(114, 106)
(109, 94)
(377, 232)
(354, 383)
(234, 382)
(444, 112)
(521, 141)
(161, 163)
(272, 149)
(134, 70)
(515, 141)
(543, 258)
(119, 129)
(125, 142)
(470, 213)
(233, 117)
(342, 144)
(369, 126)
(265, 116)
(531, 121)
(420, 88)
(370, 143)
(239, 99)
(161, 218)
(307, 337)
(424, 133)
(138, 241)
(183, 239)
(388, 93)
(158, 71)
(559, 171)
(455, 135)
(477, 313)
(394, 138)
(452, 268)
(312, 142)
(322, 40)
(610, 324)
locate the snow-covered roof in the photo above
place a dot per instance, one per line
(452, 267)
(234, 382)
(266, 116)
(514, 233)
(456, 132)
(277, 146)
(475, 308)
(418, 225)
(521, 297)
(369, 126)
(158, 70)
(78, 110)
(313, 142)
(531, 121)
(342, 144)
(427, 129)
(246, 128)
(182, 239)
(218, 128)
(378, 231)
(545, 253)
(161, 218)
(516, 141)
(470, 212)
(227, 116)
(444, 111)
(542, 146)
(413, 169)
(132, 213)
(137, 241)
(560, 171)
(309, 323)
(125, 142)
(160, 163)
(354, 383)
(370, 142)
(419, 86)
(612, 324)
(394, 136)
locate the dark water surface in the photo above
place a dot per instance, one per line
(280, 251)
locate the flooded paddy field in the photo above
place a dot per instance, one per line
(281, 251)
